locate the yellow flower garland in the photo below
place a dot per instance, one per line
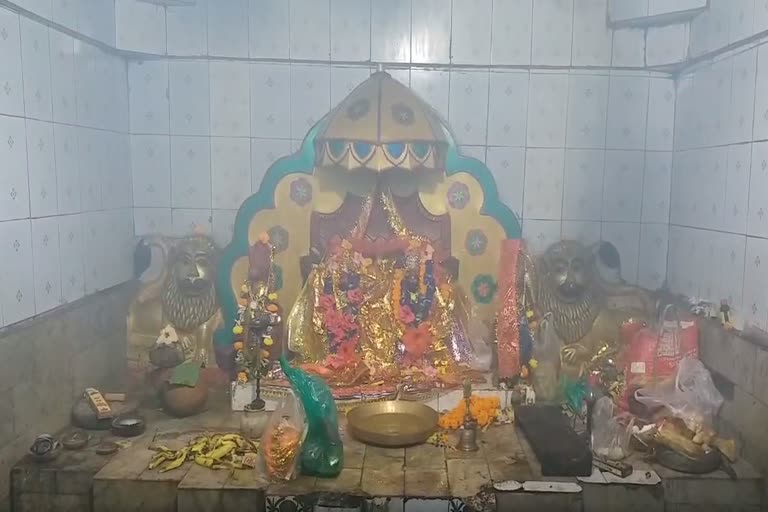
(483, 409)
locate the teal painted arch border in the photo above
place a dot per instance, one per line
(303, 162)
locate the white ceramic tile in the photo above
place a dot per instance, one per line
(310, 97)
(310, 29)
(552, 32)
(625, 236)
(584, 231)
(228, 29)
(710, 187)
(708, 278)
(431, 31)
(755, 297)
(471, 34)
(115, 104)
(757, 223)
(761, 17)
(511, 31)
(17, 295)
(761, 100)
(432, 85)
(71, 254)
(547, 110)
(140, 27)
(652, 266)
(656, 7)
(67, 168)
(656, 186)
(661, 115)
(587, 111)
(737, 188)
(117, 184)
(47, 266)
(628, 48)
(582, 198)
(95, 229)
(476, 152)
(623, 185)
(151, 168)
(149, 221)
(543, 197)
(148, 86)
(508, 108)
(189, 97)
(186, 221)
(91, 156)
(187, 28)
(64, 13)
(619, 10)
(468, 109)
(402, 75)
(265, 152)
(666, 44)
(14, 186)
(42, 169)
(343, 82)
(627, 112)
(85, 80)
(350, 30)
(742, 105)
(731, 250)
(269, 22)
(391, 31)
(230, 99)
(40, 7)
(231, 172)
(223, 226)
(191, 172)
(96, 19)
(540, 234)
(121, 240)
(592, 39)
(36, 59)
(11, 84)
(720, 102)
(270, 100)
(63, 77)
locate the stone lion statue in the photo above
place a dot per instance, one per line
(181, 300)
(588, 304)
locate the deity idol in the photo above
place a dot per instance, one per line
(370, 312)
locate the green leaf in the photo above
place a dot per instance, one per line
(186, 374)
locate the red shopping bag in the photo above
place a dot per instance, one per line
(655, 352)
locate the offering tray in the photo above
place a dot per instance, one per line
(392, 423)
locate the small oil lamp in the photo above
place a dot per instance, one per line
(468, 434)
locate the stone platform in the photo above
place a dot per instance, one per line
(420, 479)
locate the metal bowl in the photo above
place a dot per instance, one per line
(128, 425)
(392, 423)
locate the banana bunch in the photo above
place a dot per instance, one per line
(216, 451)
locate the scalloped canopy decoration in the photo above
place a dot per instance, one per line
(382, 125)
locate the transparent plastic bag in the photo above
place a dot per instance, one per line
(322, 453)
(282, 440)
(692, 396)
(610, 433)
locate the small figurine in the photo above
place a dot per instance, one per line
(725, 314)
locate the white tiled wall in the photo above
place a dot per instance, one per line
(719, 211)
(567, 146)
(66, 221)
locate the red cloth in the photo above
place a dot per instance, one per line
(508, 315)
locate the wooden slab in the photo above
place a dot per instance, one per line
(201, 489)
(467, 476)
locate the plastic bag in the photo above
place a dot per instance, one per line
(323, 452)
(281, 442)
(692, 396)
(610, 433)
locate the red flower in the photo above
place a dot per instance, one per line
(406, 315)
(355, 296)
(327, 302)
(417, 340)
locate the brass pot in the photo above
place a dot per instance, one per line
(181, 401)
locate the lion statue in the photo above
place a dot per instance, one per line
(180, 302)
(588, 303)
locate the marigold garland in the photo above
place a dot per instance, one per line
(483, 409)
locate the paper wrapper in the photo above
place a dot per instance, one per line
(508, 315)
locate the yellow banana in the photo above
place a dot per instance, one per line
(222, 450)
(204, 461)
(177, 462)
(159, 458)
